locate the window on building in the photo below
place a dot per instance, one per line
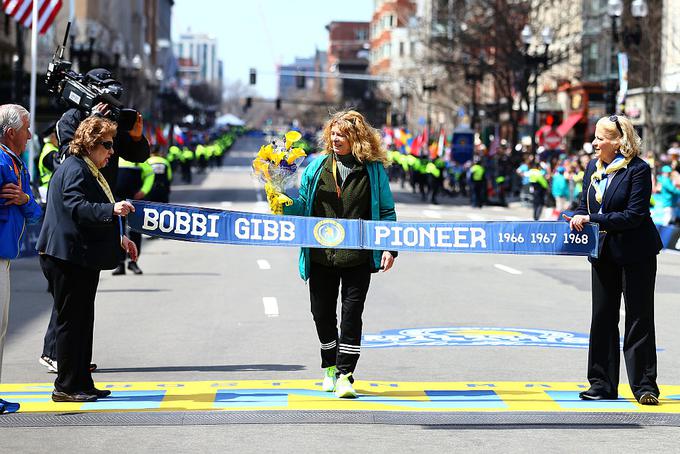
(401, 48)
(413, 48)
(180, 50)
(390, 21)
(591, 60)
(213, 57)
(361, 35)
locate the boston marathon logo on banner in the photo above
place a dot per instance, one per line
(233, 227)
(474, 337)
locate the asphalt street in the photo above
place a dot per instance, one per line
(217, 312)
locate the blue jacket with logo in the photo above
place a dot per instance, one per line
(13, 218)
(382, 203)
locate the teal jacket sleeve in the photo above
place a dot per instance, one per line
(385, 199)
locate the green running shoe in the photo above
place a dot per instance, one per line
(344, 388)
(329, 379)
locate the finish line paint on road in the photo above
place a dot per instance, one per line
(307, 395)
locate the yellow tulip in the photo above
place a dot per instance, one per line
(291, 138)
(261, 168)
(276, 158)
(294, 154)
(265, 152)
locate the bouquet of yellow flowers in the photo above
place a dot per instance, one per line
(275, 166)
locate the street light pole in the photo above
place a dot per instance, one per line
(614, 9)
(534, 62)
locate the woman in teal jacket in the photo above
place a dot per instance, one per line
(347, 181)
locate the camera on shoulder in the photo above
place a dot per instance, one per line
(86, 91)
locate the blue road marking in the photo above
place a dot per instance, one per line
(250, 398)
(128, 400)
(570, 400)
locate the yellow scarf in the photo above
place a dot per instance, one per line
(618, 163)
(100, 179)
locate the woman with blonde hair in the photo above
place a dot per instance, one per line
(347, 181)
(617, 189)
(81, 235)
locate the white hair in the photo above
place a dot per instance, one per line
(11, 117)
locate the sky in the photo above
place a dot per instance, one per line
(261, 33)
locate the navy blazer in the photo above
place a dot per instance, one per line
(79, 224)
(630, 233)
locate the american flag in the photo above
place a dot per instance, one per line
(21, 11)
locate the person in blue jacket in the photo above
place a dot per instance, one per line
(17, 207)
(348, 180)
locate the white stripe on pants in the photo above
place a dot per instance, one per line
(4, 305)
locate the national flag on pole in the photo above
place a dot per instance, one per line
(21, 11)
(180, 137)
(160, 137)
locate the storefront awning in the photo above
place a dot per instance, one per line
(569, 123)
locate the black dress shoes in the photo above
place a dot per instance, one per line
(99, 392)
(596, 395)
(132, 266)
(58, 396)
(119, 271)
(648, 398)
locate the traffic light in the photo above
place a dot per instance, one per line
(253, 76)
(300, 81)
(278, 103)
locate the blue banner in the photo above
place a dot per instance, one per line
(233, 227)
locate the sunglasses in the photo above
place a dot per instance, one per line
(108, 144)
(614, 119)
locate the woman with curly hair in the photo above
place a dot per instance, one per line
(347, 181)
(81, 236)
(617, 188)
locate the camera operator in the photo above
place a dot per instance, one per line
(128, 143)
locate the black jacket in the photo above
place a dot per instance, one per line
(631, 234)
(123, 145)
(79, 224)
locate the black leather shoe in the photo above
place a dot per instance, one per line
(132, 266)
(648, 398)
(92, 367)
(58, 396)
(596, 395)
(99, 392)
(120, 269)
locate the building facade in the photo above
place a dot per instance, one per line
(201, 49)
(348, 49)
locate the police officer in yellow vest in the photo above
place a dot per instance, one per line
(174, 156)
(435, 172)
(186, 160)
(539, 186)
(478, 180)
(135, 180)
(48, 155)
(160, 190)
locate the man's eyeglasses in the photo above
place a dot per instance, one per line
(108, 144)
(614, 119)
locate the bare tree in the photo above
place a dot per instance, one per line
(643, 40)
(480, 40)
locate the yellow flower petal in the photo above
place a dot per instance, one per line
(292, 137)
(294, 154)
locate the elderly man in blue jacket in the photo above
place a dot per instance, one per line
(17, 206)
